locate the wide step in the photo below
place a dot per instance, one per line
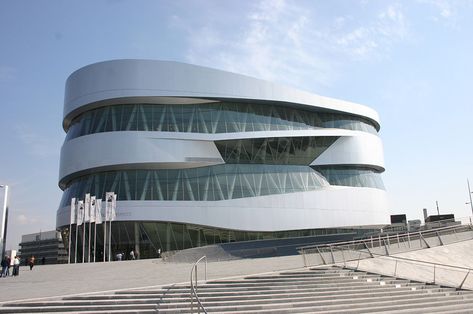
(327, 290)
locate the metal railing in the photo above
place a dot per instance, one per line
(382, 245)
(193, 292)
(424, 271)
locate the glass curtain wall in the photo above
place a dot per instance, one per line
(351, 176)
(210, 118)
(146, 238)
(277, 150)
(214, 183)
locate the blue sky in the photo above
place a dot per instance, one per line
(409, 60)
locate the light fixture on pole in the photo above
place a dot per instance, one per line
(4, 222)
(469, 194)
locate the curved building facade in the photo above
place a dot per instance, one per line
(199, 156)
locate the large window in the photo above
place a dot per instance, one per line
(352, 176)
(277, 150)
(212, 183)
(210, 118)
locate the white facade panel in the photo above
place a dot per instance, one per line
(170, 150)
(135, 148)
(147, 78)
(326, 208)
(359, 149)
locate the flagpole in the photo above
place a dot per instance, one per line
(105, 234)
(80, 217)
(69, 249)
(95, 239)
(110, 241)
(88, 248)
(75, 253)
(73, 201)
(83, 243)
(83, 229)
(98, 218)
(110, 209)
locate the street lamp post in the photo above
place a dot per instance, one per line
(469, 194)
(3, 230)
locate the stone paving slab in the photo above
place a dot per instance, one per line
(68, 279)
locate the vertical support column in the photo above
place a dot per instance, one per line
(198, 237)
(136, 228)
(168, 236)
(4, 222)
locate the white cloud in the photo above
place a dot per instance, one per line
(292, 43)
(22, 219)
(445, 8)
(447, 11)
(375, 37)
(274, 44)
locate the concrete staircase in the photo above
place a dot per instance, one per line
(317, 290)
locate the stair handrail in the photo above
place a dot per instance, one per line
(193, 292)
(318, 248)
(414, 262)
(393, 236)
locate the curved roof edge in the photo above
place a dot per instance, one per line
(153, 78)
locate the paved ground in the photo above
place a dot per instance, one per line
(59, 280)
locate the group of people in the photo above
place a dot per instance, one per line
(121, 256)
(7, 263)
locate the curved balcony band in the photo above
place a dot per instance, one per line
(215, 183)
(158, 150)
(210, 118)
(110, 81)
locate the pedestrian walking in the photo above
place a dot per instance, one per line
(31, 262)
(119, 256)
(4, 267)
(9, 263)
(16, 266)
(132, 255)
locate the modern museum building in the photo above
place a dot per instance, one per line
(199, 156)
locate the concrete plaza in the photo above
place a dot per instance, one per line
(72, 279)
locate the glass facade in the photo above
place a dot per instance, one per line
(147, 237)
(213, 183)
(352, 176)
(222, 117)
(276, 150)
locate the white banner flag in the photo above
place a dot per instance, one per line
(114, 207)
(93, 203)
(110, 206)
(80, 213)
(73, 211)
(98, 211)
(87, 208)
